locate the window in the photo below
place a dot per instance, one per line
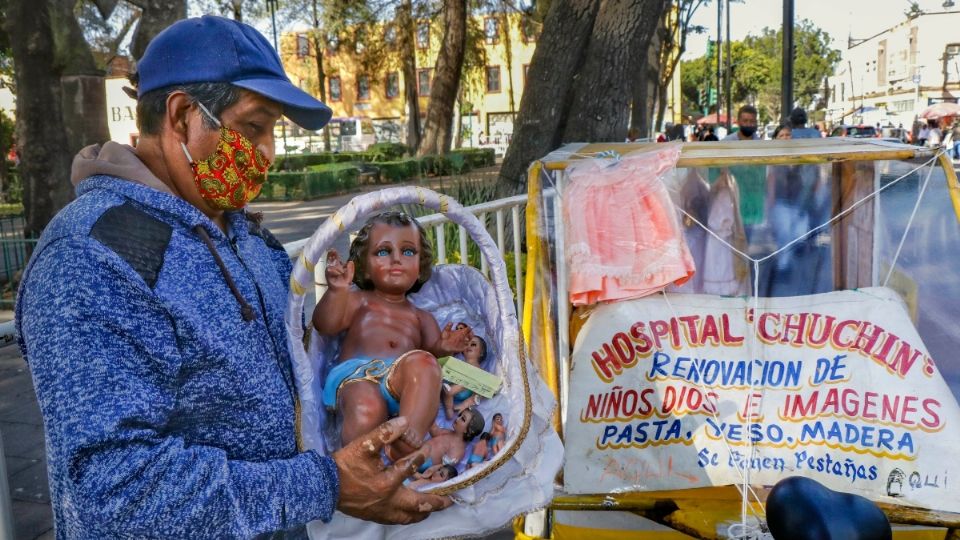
(359, 38)
(393, 84)
(390, 34)
(423, 35)
(335, 89)
(491, 30)
(493, 79)
(303, 46)
(423, 82)
(363, 88)
(333, 42)
(528, 28)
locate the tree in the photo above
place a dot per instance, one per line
(406, 33)
(602, 90)
(757, 66)
(579, 77)
(437, 134)
(52, 60)
(672, 43)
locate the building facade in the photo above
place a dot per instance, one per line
(890, 77)
(372, 89)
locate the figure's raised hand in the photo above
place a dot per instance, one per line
(455, 339)
(338, 274)
(370, 491)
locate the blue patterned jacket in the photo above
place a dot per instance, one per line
(167, 414)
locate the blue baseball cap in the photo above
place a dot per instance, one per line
(215, 49)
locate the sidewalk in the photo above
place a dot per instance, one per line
(22, 430)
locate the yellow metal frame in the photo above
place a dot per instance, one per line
(709, 500)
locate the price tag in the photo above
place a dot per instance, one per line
(459, 372)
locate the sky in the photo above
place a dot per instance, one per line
(839, 18)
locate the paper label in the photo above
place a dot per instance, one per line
(457, 371)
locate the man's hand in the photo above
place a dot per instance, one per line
(339, 275)
(370, 491)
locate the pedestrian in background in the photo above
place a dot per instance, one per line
(798, 125)
(747, 123)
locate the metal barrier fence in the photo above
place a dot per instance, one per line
(506, 214)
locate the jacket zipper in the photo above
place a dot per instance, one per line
(266, 324)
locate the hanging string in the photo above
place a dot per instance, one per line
(913, 214)
(827, 223)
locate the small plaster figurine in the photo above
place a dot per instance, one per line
(457, 397)
(498, 434)
(449, 446)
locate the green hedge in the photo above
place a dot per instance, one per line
(477, 157)
(386, 151)
(318, 181)
(434, 165)
(399, 170)
(456, 162)
(324, 180)
(299, 162)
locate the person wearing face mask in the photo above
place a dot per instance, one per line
(747, 122)
(151, 316)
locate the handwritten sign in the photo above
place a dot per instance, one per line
(471, 377)
(688, 391)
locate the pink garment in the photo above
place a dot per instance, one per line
(622, 235)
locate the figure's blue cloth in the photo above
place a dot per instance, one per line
(375, 370)
(426, 465)
(474, 458)
(167, 414)
(462, 395)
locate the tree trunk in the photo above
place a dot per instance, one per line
(458, 120)
(437, 134)
(546, 100)
(155, 16)
(406, 34)
(644, 89)
(318, 47)
(661, 104)
(640, 109)
(44, 155)
(236, 6)
(508, 53)
(621, 35)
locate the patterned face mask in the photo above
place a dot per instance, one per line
(232, 176)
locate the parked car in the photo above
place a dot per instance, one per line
(859, 131)
(899, 134)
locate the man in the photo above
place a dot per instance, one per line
(798, 125)
(747, 122)
(151, 316)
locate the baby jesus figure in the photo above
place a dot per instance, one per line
(388, 357)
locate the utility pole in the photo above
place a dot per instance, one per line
(719, 55)
(786, 79)
(729, 71)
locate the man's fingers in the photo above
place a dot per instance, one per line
(384, 434)
(415, 502)
(405, 467)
